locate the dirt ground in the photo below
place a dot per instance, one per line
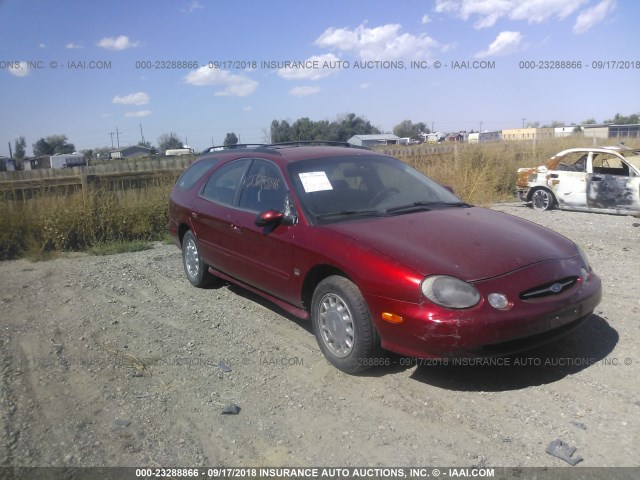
(118, 361)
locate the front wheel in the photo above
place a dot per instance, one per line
(195, 269)
(542, 199)
(342, 325)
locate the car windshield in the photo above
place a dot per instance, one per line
(336, 188)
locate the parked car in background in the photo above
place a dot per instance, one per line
(375, 254)
(598, 179)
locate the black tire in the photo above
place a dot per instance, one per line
(195, 269)
(542, 199)
(343, 327)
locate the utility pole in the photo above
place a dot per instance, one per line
(112, 133)
(10, 152)
(480, 125)
(141, 134)
(118, 137)
(432, 123)
(523, 120)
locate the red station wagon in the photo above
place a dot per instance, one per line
(375, 254)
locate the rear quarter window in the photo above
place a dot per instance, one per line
(195, 172)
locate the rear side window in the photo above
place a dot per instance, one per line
(223, 184)
(195, 172)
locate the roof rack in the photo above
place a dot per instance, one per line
(301, 143)
(221, 148)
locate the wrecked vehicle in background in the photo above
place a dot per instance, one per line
(598, 179)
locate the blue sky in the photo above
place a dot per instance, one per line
(202, 104)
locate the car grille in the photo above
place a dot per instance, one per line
(551, 288)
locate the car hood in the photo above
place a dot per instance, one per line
(468, 243)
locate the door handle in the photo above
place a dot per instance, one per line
(194, 214)
(596, 179)
(236, 228)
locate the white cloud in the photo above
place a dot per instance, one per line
(247, 109)
(193, 6)
(378, 43)
(425, 19)
(365, 85)
(303, 91)
(594, 15)
(19, 70)
(313, 68)
(490, 11)
(72, 45)
(117, 43)
(138, 98)
(234, 85)
(42, 45)
(139, 113)
(505, 43)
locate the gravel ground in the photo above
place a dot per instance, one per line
(118, 361)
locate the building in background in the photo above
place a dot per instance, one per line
(67, 160)
(374, 140)
(528, 133)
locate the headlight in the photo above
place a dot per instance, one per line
(584, 258)
(449, 292)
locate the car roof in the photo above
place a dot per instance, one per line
(591, 149)
(288, 152)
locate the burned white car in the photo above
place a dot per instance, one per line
(598, 179)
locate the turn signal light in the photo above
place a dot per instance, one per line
(391, 317)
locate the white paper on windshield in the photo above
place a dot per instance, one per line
(315, 182)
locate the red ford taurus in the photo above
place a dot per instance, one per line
(375, 254)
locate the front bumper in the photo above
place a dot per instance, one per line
(430, 331)
(522, 193)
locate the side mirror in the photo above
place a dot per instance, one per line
(269, 217)
(450, 188)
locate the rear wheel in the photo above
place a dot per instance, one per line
(343, 327)
(195, 269)
(542, 199)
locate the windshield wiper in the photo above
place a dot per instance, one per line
(350, 212)
(425, 206)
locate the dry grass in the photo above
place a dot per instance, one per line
(69, 221)
(486, 173)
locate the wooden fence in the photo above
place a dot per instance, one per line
(116, 175)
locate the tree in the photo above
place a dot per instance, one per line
(624, 120)
(281, 131)
(303, 129)
(533, 125)
(51, 145)
(168, 141)
(20, 150)
(407, 128)
(145, 144)
(349, 125)
(589, 121)
(230, 139)
(577, 129)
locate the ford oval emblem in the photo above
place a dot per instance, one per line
(556, 288)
